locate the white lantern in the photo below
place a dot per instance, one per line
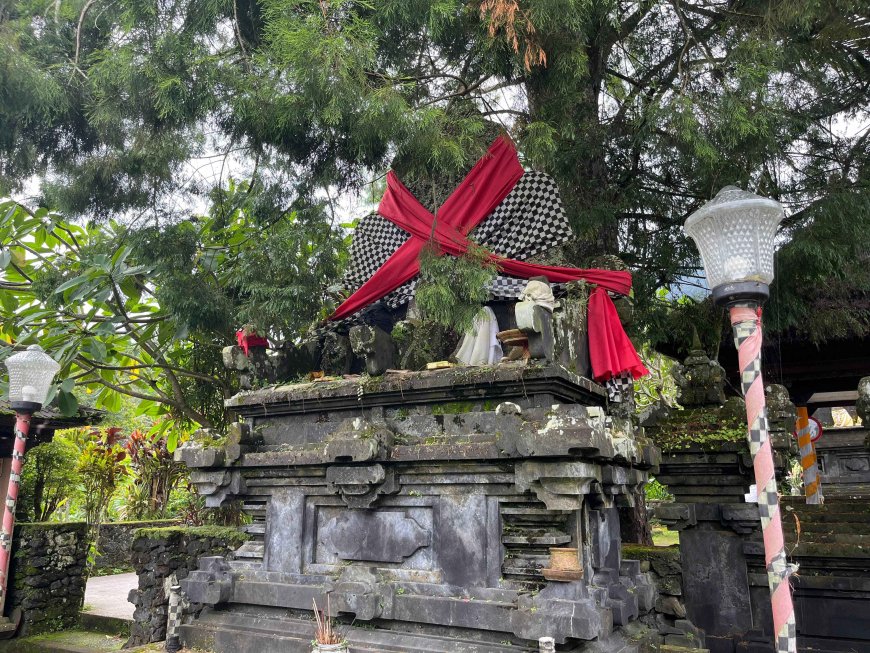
(735, 234)
(30, 375)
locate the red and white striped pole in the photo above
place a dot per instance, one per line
(22, 426)
(746, 323)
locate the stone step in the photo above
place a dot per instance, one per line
(97, 623)
(822, 528)
(246, 633)
(824, 538)
(822, 517)
(832, 504)
(824, 550)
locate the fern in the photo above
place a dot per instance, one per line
(452, 289)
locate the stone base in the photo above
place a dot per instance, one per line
(268, 631)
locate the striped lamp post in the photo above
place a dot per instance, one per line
(735, 234)
(30, 375)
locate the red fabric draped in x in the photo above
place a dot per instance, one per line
(484, 188)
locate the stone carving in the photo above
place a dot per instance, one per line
(361, 486)
(781, 412)
(376, 346)
(211, 583)
(701, 381)
(862, 404)
(358, 440)
(262, 366)
(336, 354)
(535, 318)
(560, 486)
(385, 536)
(358, 592)
(537, 323)
(218, 486)
(570, 342)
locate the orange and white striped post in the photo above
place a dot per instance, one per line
(812, 481)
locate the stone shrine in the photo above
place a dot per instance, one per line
(458, 509)
(424, 504)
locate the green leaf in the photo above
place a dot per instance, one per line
(97, 350)
(71, 283)
(172, 441)
(68, 385)
(110, 400)
(67, 402)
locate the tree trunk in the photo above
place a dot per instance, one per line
(579, 164)
(634, 524)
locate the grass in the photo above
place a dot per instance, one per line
(663, 537)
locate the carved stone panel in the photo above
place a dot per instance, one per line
(373, 536)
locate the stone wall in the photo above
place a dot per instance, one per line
(48, 575)
(158, 555)
(116, 544)
(668, 617)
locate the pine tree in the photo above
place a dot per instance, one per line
(640, 110)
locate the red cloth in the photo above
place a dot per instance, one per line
(610, 350)
(246, 341)
(485, 187)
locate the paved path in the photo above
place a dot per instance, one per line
(107, 595)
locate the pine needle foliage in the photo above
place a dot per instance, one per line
(452, 289)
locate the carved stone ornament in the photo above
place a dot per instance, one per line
(560, 486)
(218, 486)
(374, 536)
(361, 486)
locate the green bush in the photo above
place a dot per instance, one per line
(48, 480)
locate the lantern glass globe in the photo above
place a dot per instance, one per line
(735, 234)
(30, 375)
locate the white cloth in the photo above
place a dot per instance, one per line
(540, 293)
(479, 345)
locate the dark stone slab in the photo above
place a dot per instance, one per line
(385, 536)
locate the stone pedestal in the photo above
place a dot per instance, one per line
(425, 505)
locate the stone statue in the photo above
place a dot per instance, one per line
(701, 381)
(862, 404)
(376, 346)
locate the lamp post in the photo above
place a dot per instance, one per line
(735, 234)
(30, 375)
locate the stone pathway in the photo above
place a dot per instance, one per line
(106, 596)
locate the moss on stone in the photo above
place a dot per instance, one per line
(231, 535)
(453, 408)
(641, 552)
(705, 428)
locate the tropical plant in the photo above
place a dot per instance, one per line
(154, 474)
(144, 312)
(49, 480)
(101, 467)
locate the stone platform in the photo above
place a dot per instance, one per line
(424, 504)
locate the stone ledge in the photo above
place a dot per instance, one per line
(397, 388)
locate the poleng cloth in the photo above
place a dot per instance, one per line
(516, 213)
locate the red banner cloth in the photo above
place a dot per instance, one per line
(248, 340)
(484, 188)
(610, 350)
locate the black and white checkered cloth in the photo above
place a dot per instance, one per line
(620, 388)
(528, 222)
